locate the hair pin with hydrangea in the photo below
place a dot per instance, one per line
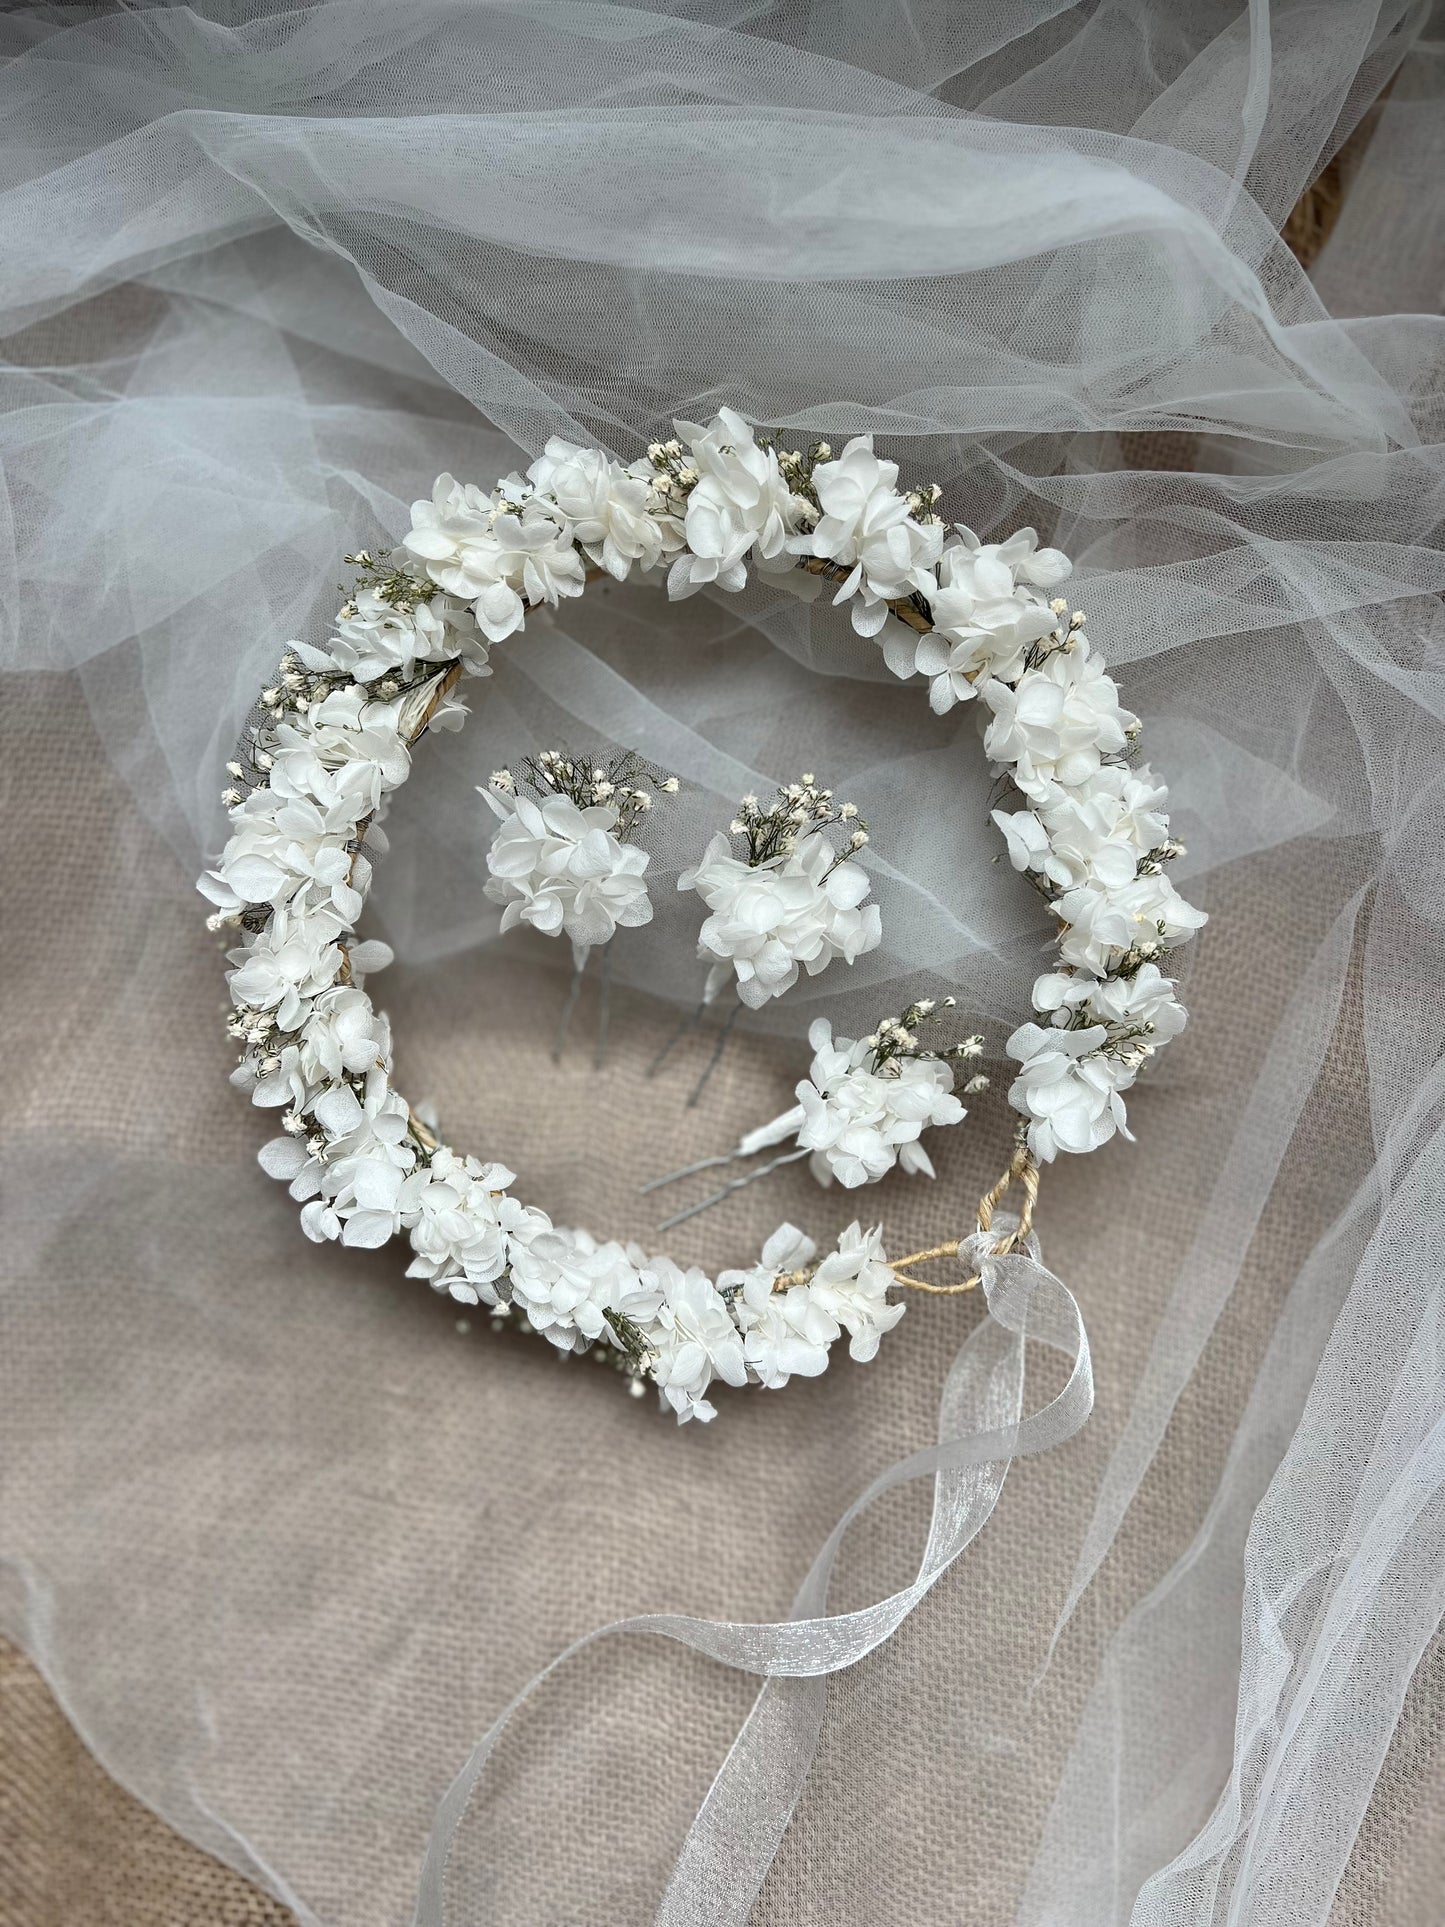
(793, 901)
(861, 1110)
(564, 857)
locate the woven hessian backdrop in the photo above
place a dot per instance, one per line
(290, 1719)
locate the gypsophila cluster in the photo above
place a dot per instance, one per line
(331, 739)
(794, 900)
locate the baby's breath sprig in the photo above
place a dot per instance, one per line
(797, 810)
(626, 783)
(898, 1037)
(673, 477)
(387, 580)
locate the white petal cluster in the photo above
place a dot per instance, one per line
(799, 909)
(458, 1216)
(786, 1331)
(563, 869)
(376, 638)
(1096, 835)
(986, 613)
(738, 505)
(858, 1121)
(868, 528)
(496, 554)
(1055, 726)
(851, 1285)
(609, 509)
(1074, 1070)
(694, 1339)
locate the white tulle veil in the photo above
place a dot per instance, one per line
(284, 1544)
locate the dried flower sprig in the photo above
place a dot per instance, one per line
(798, 810)
(625, 783)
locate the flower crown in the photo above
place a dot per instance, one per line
(333, 742)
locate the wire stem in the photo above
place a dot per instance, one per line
(573, 992)
(737, 1184)
(604, 1008)
(717, 1050)
(689, 1021)
(689, 1171)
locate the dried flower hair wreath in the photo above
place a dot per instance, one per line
(334, 741)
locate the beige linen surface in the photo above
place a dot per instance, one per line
(516, 1501)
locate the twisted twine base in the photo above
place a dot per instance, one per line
(1022, 1168)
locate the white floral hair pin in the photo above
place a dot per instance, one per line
(861, 1110)
(332, 740)
(793, 900)
(564, 859)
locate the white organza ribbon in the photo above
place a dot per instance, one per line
(981, 1428)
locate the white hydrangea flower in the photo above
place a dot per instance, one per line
(1097, 834)
(693, 1338)
(867, 526)
(851, 1286)
(804, 908)
(859, 1122)
(565, 1282)
(455, 1211)
(1123, 1005)
(564, 870)
(605, 506)
(1100, 923)
(1068, 1088)
(1145, 997)
(344, 1036)
(492, 554)
(374, 639)
(983, 623)
(739, 506)
(366, 1164)
(288, 964)
(452, 535)
(786, 1334)
(1057, 723)
(1019, 559)
(282, 847)
(347, 752)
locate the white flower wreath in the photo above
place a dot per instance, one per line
(334, 741)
